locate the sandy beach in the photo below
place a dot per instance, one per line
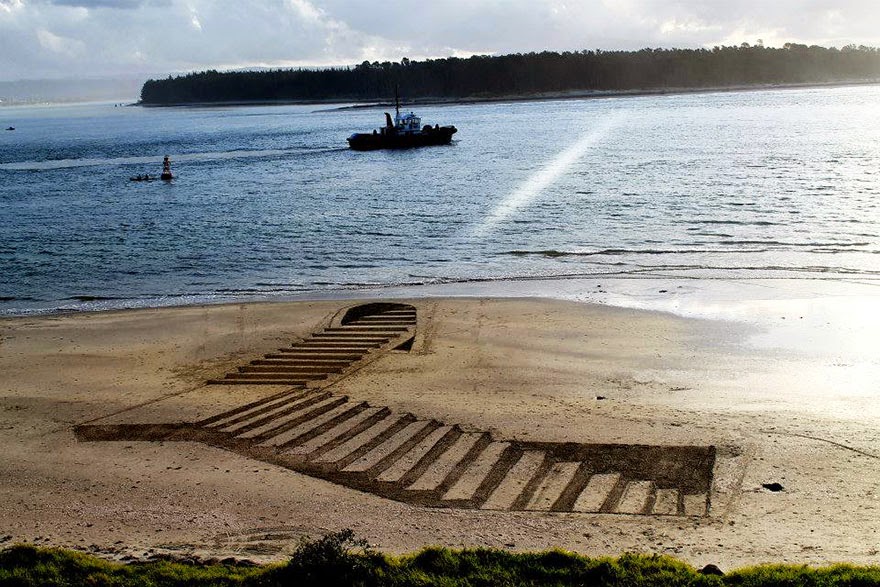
(781, 384)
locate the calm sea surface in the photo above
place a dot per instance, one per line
(268, 201)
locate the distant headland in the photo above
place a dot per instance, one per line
(546, 74)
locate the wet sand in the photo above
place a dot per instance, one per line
(783, 405)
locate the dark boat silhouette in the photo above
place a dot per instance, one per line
(404, 132)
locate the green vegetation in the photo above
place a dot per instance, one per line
(30, 566)
(527, 74)
(340, 559)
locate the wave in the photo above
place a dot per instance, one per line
(87, 298)
(794, 245)
(556, 253)
(741, 222)
(755, 246)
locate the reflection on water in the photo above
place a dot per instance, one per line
(538, 183)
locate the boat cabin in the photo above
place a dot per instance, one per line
(402, 124)
(408, 123)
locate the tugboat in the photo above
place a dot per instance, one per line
(404, 132)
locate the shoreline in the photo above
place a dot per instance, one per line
(754, 301)
(548, 96)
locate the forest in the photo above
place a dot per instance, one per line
(527, 74)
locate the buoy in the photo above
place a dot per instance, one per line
(166, 169)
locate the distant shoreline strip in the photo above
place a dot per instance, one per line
(353, 104)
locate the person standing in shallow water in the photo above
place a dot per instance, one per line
(166, 168)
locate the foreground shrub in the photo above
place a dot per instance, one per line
(336, 559)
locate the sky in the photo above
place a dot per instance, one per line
(116, 38)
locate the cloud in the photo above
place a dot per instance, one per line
(120, 4)
(8, 6)
(113, 38)
(52, 38)
(61, 45)
(502, 26)
(734, 21)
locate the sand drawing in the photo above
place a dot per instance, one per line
(312, 430)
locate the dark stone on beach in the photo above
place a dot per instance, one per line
(162, 556)
(231, 561)
(772, 486)
(664, 291)
(711, 569)
(601, 397)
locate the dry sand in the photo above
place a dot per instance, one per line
(521, 368)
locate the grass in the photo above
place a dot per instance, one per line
(341, 559)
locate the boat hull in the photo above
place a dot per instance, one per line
(426, 138)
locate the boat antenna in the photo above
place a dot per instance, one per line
(397, 100)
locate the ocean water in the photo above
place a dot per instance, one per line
(269, 203)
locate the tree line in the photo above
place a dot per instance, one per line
(521, 74)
